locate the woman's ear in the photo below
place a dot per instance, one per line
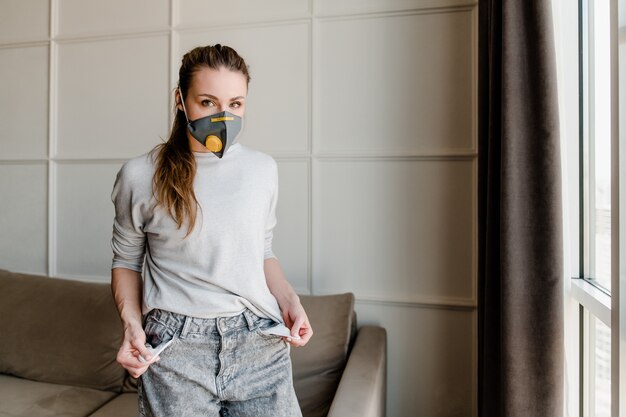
(177, 99)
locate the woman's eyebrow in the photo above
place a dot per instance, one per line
(215, 98)
(209, 96)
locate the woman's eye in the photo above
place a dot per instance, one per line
(206, 103)
(235, 104)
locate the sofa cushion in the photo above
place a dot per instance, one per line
(124, 405)
(317, 366)
(23, 398)
(59, 331)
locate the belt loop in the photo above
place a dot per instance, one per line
(185, 329)
(250, 319)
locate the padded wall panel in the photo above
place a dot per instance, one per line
(430, 358)
(80, 17)
(291, 236)
(24, 102)
(24, 20)
(84, 216)
(211, 12)
(399, 230)
(119, 107)
(398, 84)
(24, 238)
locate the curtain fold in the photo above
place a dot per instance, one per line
(520, 306)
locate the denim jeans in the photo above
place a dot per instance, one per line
(216, 367)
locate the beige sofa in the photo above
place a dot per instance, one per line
(59, 339)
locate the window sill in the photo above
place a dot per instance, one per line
(593, 299)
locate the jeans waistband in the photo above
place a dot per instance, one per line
(184, 324)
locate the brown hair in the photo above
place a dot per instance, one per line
(175, 164)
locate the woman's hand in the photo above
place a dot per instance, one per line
(296, 319)
(133, 345)
(126, 286)
(289, 303)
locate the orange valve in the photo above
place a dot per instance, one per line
(213, 143)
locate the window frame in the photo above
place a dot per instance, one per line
(594, 299)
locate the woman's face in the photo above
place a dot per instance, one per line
(213, 91)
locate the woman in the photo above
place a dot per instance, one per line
(212, 285)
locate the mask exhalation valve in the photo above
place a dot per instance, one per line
(213, 143)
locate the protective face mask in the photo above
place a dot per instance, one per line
(216, 132)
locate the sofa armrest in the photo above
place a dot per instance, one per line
(363, 386)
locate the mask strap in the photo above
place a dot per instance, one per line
(182, 101)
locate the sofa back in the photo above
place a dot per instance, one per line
(68, 332)
(59, 331)
(318, 365)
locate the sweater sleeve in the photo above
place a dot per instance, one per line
(271, 218)
(129, 240)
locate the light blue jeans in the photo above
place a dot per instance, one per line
(216, 367)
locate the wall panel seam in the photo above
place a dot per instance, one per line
(356, 15)
(414, 157)
(54, 18)
(309, 241)
(86, 161)
(279, 157)
(290, 157)
(310, 146)
(443, 304)
(25, 44)
(174, 13)
(314, 223)
(414, 300)
(52, 218)
(111, 36)
(29, 161)
(247, 25)
(51, 188)
(314, 100)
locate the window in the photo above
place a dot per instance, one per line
(595, 111)
(594, 288)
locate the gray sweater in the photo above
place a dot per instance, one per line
(218, 269)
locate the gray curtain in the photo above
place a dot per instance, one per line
(520, 311)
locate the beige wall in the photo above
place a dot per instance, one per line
(368, 106)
